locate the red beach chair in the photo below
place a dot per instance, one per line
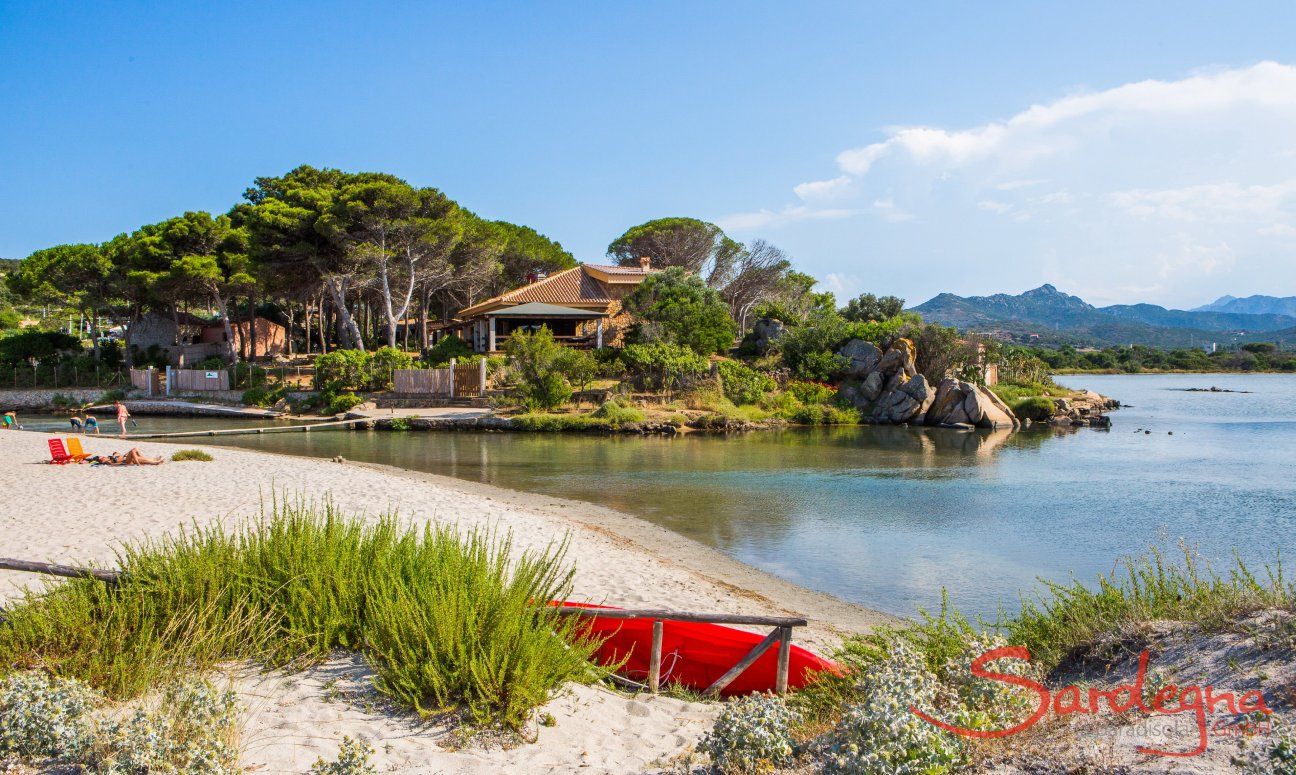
(58, 453)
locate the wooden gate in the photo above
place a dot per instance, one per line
(198, 379)
(467, 381)
(426, 382)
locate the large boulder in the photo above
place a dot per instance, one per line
(960, 402)
(899, 357)
(863, 358)
(766, 331)
(872, 386)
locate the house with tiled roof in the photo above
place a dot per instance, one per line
(581, 306)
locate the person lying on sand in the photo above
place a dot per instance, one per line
(132, 458)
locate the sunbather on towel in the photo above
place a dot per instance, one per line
(132, 458)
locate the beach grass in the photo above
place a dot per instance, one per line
(449, 621)
(191, 454)
(1061, 620)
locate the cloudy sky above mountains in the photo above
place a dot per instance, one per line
(1122, 151)
(1160, 190)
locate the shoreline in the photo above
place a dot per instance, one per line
(82, 515)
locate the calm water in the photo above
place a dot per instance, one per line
(887, 516)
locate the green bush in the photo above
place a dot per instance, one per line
(822, 414)
(191, 454)
(578, 366)
(661, 365)
(382, 363)
(743, 384)
(445, 619)
(811, 392)
(210, 363)
(18, 347)
(342, 402)
(1035, 408)
(449, 347)
(544, 422)
(262, 395)
(342, 370)
(752, 736)
(353, 759)
(618, 414)
(678, 307)
(535, 359)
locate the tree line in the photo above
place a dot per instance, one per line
(349, 260)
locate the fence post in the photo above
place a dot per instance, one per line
(481, 388)
(148, 377)
(452, 377)
(168, 379)
(654, 658)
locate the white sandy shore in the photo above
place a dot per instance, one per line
(80, 514)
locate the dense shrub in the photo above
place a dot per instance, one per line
(879, 735)
(342, 370)
(353, 759)
(618, 414)
(43, 716)
(810, 392)
(17, 348)
(382, 363)
(822, 414)
(339, 403)
(193, 730)
(264, 395)
(210, 363)
(661, 365)
(579, 367)
(535, 360)
(446, 619)
(544, 422)
(449, 347)
(743, 384)
(678, 307)
(751, 736)
(1036, 408)
(182, 455)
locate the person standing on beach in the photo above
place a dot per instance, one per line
(122, 416)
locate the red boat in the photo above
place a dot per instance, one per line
(696, 654)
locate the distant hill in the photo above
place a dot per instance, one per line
(1200, 319)
(1048, 315)
(1252, 305)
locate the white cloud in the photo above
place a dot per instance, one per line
(823, 189)
(1209, 202)
(1178, 187)
(739, 222)
(887, 210)
(994, 206)
(843, 286)
(1042, 130)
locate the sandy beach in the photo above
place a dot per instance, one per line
(82, 514)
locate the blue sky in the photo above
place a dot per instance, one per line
(890, 148)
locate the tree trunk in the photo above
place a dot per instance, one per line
(322, 325)
(348, 331)
(223, 309)
(252, 332)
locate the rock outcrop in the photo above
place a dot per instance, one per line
(766, 331)
(1085, 408)
(888, 390)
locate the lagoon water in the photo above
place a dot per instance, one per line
(887, 517)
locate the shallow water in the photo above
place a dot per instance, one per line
(886, 517)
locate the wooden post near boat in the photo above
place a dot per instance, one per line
(781, 634)
(654, 657)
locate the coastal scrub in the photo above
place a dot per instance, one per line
(447, 621)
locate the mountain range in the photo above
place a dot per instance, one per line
(1050, 316)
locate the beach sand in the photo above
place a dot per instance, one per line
(81, 515)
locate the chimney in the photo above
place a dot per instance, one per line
(645, 263)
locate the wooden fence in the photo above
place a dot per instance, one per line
(197, 379)
(452, 381)
(148, 380)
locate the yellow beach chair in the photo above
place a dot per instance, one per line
(75, 451)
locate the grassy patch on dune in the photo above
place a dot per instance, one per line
(1061, 622)
(447, 620)
(191, 454)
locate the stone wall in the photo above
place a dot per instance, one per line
(43, 398)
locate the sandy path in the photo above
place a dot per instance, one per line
(80, 514)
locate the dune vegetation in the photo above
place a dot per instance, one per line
(448, 621)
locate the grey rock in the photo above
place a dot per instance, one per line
(863, 356)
